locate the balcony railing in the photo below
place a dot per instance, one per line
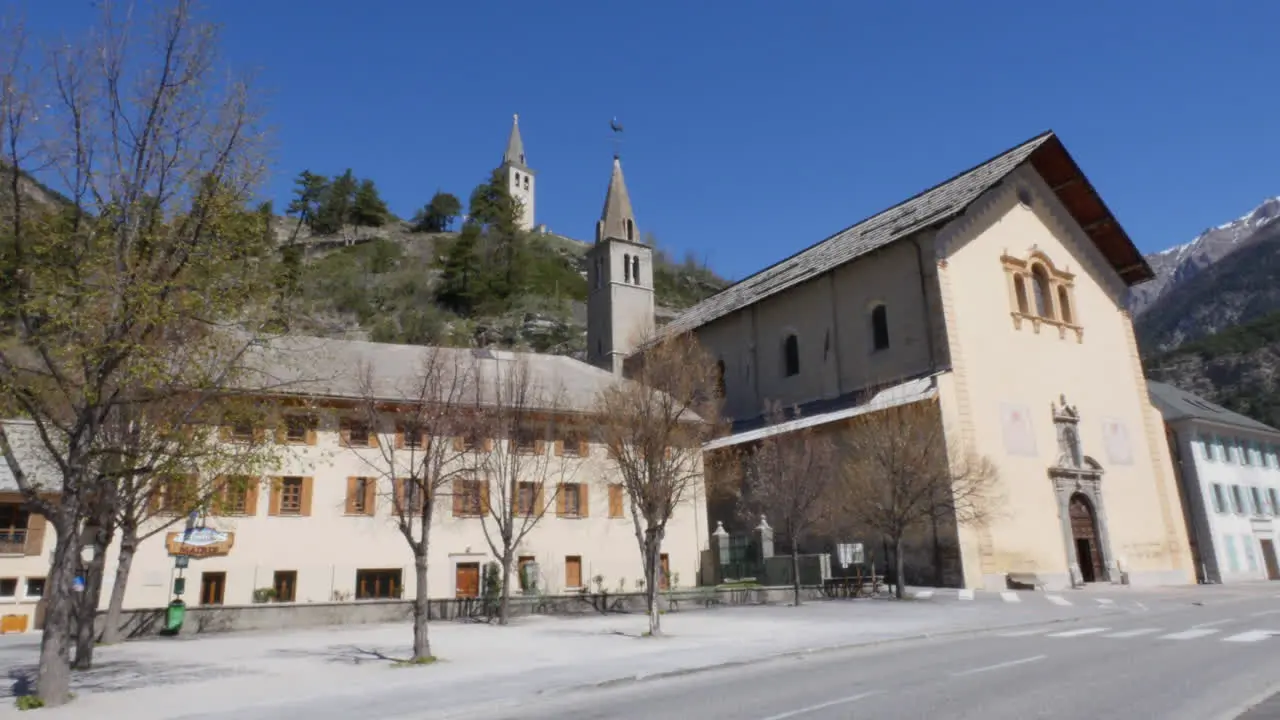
(13, 542)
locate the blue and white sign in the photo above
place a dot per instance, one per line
(78, 584)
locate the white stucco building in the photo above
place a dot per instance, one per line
(1228, 468)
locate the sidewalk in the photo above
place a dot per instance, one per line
(341, 672)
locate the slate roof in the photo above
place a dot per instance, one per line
(32, 457)
(933, 206)
(616, 215)
(515, 146)
(1176, 404)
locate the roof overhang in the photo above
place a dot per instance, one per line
(1064, 177)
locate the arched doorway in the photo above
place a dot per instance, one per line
(1084, 534)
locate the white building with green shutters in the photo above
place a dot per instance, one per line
(1228, 468)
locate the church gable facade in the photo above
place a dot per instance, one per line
(1001, 289)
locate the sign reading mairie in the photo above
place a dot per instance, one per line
(200, 542)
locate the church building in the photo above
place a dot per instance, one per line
(998, 297)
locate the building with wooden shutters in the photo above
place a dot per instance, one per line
(320, 526)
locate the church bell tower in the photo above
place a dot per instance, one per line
(619, 281)
(520, 179)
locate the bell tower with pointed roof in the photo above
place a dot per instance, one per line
(619, 280)
(520, 179)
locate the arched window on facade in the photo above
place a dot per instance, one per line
(720, 387)
(626, 268)
(635, 269)
(1020, 293)
(791, 356)
(1044, 294)
(1064, 305)
(879, 328)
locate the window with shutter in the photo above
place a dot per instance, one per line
(291, 496)
(469, 498)
(526, 498)
(299, 429)
(356, 432)
(615, 500)
(572, 443)
(570, 500)
(233, 495)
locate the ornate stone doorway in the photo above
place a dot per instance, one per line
(1084, 532)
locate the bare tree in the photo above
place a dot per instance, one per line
(654, 425)
(518, 478)
(191, 452)
(788, 477)
(420, 462)
(900, 475)
(150, 252)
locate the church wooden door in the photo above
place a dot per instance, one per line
(1084, 532)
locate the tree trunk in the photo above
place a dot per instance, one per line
(898, 564)
(795, 571)
(53, 685)
(653, 559)
(115, 606)
(421, 607)
(87, 604)
(937, 553)
(504, 606)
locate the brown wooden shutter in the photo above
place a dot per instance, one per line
(584, 508)
(344, 434)
(615, 501)
(397, 494)
(371, 497)
(484, 497)
(218, 496)
(399, 438)
(539, 447)
(457, 497)
(273, 503)
(35, 534)
(224, 433)
(539, 500)
(584, 448)
(560, 503)
(374, 441)
(487, 444)
(282, 436)
(311, 434)
(353, 484)
(559, 448)
(459, 444)
(251, 497)
(306, 497)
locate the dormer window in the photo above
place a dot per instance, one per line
(790, 356)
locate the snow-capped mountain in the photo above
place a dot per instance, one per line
(1180, 263)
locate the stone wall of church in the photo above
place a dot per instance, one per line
(1012, 368)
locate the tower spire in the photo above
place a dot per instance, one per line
(617, 221)
(515, 146)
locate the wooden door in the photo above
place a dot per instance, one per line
(573, 571)
(467, 580)
(213, 587)
(1269, 558)
(1084, 532)
(285, 583)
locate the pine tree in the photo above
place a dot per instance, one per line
(335, 207)
(439, 214)
(462, 275)
(309, 189)
(505, 243)
(367, 207)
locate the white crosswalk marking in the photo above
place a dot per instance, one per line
(1057, 599)
(1010, 596)
(1132, 633)
(924, 595)
(1106, 601)
(1189, 634)
(1078, 633)
(1251, 636)
(965, 595)
(1021, 633)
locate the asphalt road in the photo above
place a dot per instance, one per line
(1179, 661)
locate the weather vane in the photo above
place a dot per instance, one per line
(616, 127)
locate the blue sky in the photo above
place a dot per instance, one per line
(756, 128)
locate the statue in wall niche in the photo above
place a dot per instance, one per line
(1066, 421)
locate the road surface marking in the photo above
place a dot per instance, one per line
(1144, 607)
(923, 595)
(965, 595)
(1132, 633)
(1081, 631)
(1057, 599)
(1251, 636)
(1010, 596)
(1191, 634)
(999, 666)
(1021, 633)
(822, 706)
(1106, 601)
(1266, 612)
(1211, 624)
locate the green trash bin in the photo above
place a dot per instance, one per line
(176, 613)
